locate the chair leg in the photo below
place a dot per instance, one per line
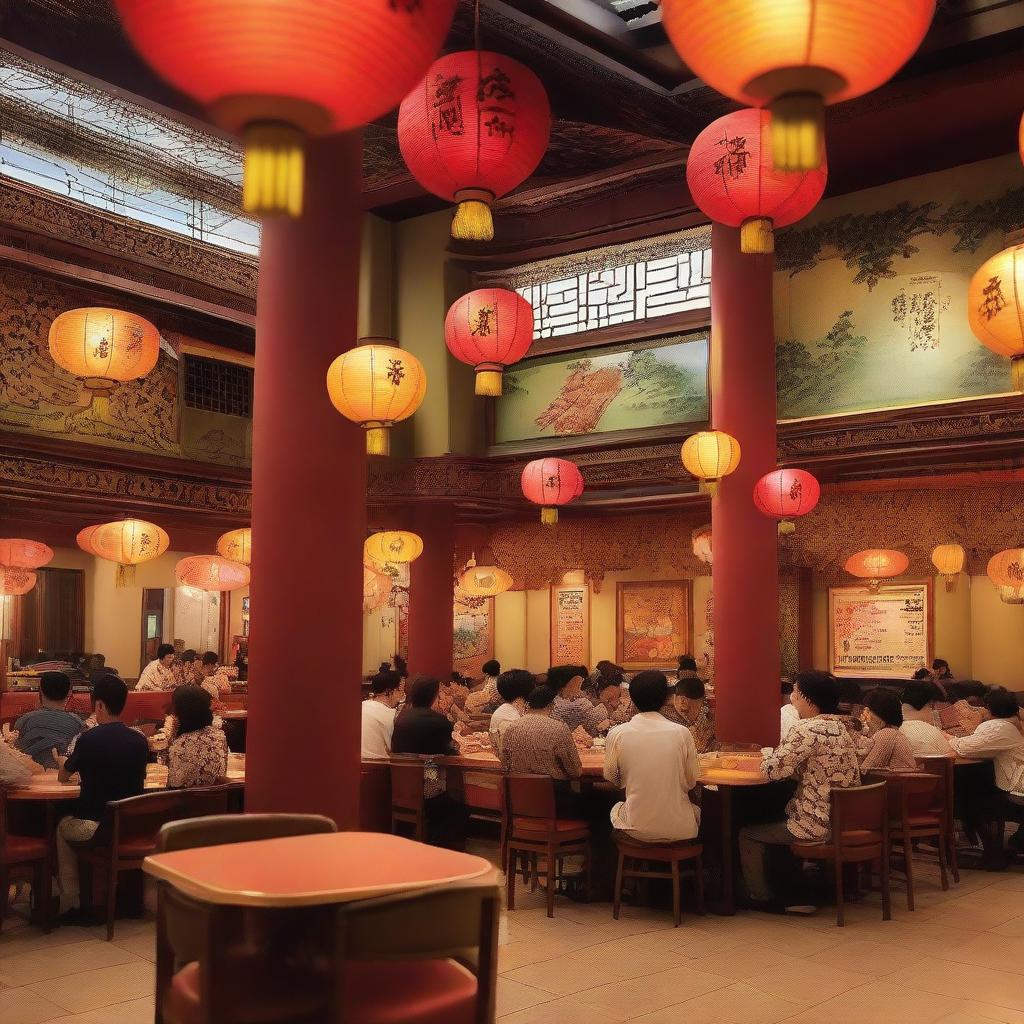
(510, 880)
(5, 888)
(886, 895)
(840, 907)
(617, 899)
(951, 850)
(698, 883)
(943, 874)
(588, 891)
(551, 880)
(908, 864)
(111, 897)
(44, 894)
(677, 914)
(534, 873)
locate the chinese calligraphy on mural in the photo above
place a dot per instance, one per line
(917, 310)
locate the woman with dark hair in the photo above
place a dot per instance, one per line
(198, 754)
(884, 747)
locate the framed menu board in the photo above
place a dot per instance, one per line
(887, 634)
(570, 624)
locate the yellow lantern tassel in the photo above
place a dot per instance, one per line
(272, 178)
(709, 487)
(549, 516)
(378, 441)
(1017, 372)
(489, 383)
(798, 132)
(473, 221)
(125, 576)
(757, 236)
(786, 527)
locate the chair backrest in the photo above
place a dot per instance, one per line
(859, 809)
(530, 796)
(219, 829)
(482, 790)
(147, 706)
(943, 768)
(407, 785)
(143, 816)
(913, 793)
(375, 796)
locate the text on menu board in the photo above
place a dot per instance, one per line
(570, 625)
(883, 634)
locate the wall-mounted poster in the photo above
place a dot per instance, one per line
(570, 624)
(473, 635)
(654, 625)
(887, 634)
(622, 387)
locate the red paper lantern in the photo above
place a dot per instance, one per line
(550, 483)
(474, 129)
(490, 328)
(731, 178)
(276, 71)
(24, 554)
(786, 494)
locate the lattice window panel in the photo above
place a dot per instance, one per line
(215, 386)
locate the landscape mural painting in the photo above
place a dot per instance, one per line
(473, 634)
(618, 388)
(871, 293)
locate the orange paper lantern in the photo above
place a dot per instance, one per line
(474, 129)
(211, 573)
(795, 56)
(392, 547)
(376, 384)
(16, 581)
(16, 553)
(105, 346)
(489, 328)
(701, 541)
(877, 564)
(376, 588)
(129, 542)
(731, 178)
(236, 545)
(550, 483)
(710, 455)
(1006, 569)
(275, 71)
(787, 494)
(948, 560)
(995, 308)
(485, 580)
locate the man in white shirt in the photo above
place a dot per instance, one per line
(788, 716)
(919, 721)
(514, 686)
(157, 675)
(655, 761)
(379, 714)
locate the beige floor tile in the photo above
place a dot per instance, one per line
(649, 993)
(736, 1004)
(141, 945)
(514, 995)
(566, 1010)
(878, 1002)
(634, 956)
(80, 993)
(43, 964)
(25, 940)
(988, 1013)
(1014, 928)
(999, 951)
(563, 976)
(135, 1011)
(742, 962)
(966, 913)
(797, 984)
(1013, 881)
(871, 958)
(21, 1006)
(519, 954)
(1000, 988)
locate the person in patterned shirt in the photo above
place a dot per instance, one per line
(198, 754)
(695, 713)
(819, 753)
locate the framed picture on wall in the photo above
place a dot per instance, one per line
(886, 634)
(473, 634)
(654, 623)
(570, 624)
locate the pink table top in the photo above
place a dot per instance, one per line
(45, 786)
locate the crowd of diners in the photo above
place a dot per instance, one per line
(652, 732)
(107, 757)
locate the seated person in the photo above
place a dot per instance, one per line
(695, 713)
(211, 678)
(485, 700)
(16, 767)
(378, 712)
(850, 704)
(655, 762)
(49, 727)
(788, 716)
(98, 669)
(613, 698)
(882, 746)
(198, 754)
(186, 668)
(454, 692)
(111, 760)
(606, 672)
(919, 717)
(515, 686)
(942, 674)
(158, 674)
(570, 705)
(819, 753)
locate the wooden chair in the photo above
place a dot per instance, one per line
(21, 853)
(407, 806)
(536, 829)
(633, 855)
(375, 796)
(184, 924)
(944, 768)
(860, 835)
(484, 795)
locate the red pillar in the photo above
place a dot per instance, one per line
(309, 505)
(431, 599)
(745, 575)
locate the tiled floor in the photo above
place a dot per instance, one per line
(958, 959)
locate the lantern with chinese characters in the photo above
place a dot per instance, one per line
(731, 178)
(701, 541)
(994, 310)
(787, 494)
(483, 579)
(376, 384)
(710, 455)
(877, 564)
(795, 57)
(489, 328)
(550, 483)
(211, 573)
(948, 560)
(1006, 569)
(129, 542)
(391, 547)
(236, 545)
(276, 71)
(105, 346)
(15, 581)
(16, 553)
(376, 589)
(474, 129)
